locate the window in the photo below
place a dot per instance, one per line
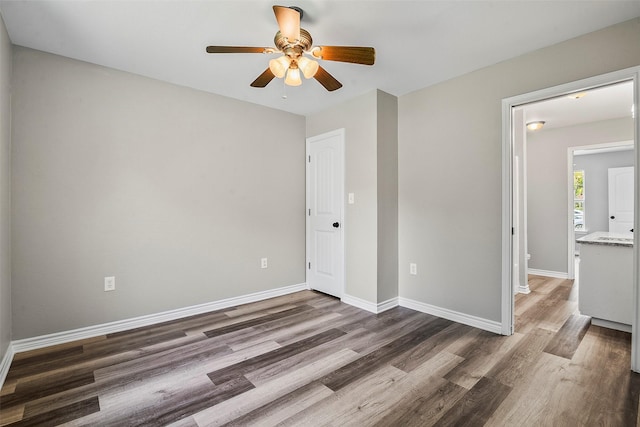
(578, 200)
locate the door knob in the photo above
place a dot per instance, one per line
(336, 224)
(612, 217)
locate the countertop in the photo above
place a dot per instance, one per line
(608, 239)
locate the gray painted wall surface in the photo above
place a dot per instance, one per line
(596, 170)
(5, 189)
(358, 118)
(175, 192)
(548, 187)
(450, 167)
(387, 165)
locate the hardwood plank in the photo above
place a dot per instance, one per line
(533, 401)
(566, 341)
(259, 320)
(476, 406)
(243, 404)
(240, 369)
(481, 354)
(376, 358)
(424, 408)
(62, 415)
(284, 407)
(516, 364)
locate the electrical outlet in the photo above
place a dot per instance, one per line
(109, 284)
(352, 198)
(413, 269)
(263, 263)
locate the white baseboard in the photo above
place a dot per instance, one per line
(547, 273)
(369, 306)
(524, 289)
(151, 319)
(5, 363)
(466, 319)
(611, 324)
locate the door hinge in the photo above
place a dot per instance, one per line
(513, 231)
(309, 266)
(309, 212)
(309, 158)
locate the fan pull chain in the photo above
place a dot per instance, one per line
(284, 90)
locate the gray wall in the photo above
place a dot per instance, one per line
(371, 164)
(5, 189)
(450, 167)
(358, 118)
(387, 165)
(596, 170)
(175, 192)
(547, 185)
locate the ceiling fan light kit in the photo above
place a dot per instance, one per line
(294, 43)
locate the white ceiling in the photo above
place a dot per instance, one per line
(603, 103)
(418, 43)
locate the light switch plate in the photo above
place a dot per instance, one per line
(109, 283)
(352, 198)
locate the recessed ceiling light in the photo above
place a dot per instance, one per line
(537, 125)
(577, 95)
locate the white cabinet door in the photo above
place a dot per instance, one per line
(325, 193)
(621, 200)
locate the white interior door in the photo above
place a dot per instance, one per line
(325, 207)
(621, 200)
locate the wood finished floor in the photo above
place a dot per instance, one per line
(306, 359)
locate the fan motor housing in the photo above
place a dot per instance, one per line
(283, 44)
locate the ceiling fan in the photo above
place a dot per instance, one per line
(298, 55)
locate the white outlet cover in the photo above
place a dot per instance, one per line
(263, 263)
(109, 283)
(352, 198)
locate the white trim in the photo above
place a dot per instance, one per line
(369, 306)
(456, 316)
(151, 319)
(524, 289)
(548, 273)
(5, 364)
(610, 324)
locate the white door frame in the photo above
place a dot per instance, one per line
(507, 191)
(343, 226)
(571, 243)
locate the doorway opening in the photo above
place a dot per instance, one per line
(512, 246)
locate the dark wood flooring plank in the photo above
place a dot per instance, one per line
(428, 348)
(257, 321)
(62, 415)
(383, 355)
(481, 353)
(33, 390)
(240, 369)
(516, 364)
(424, 408)
(476, 406)
(284, 407)
(568, 338)
(176, 403)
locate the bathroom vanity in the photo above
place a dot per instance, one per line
(606, 279)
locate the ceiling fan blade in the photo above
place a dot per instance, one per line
(353, 54)
(237, 49)
(327, 80)
(288, 21)
(263, 79)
